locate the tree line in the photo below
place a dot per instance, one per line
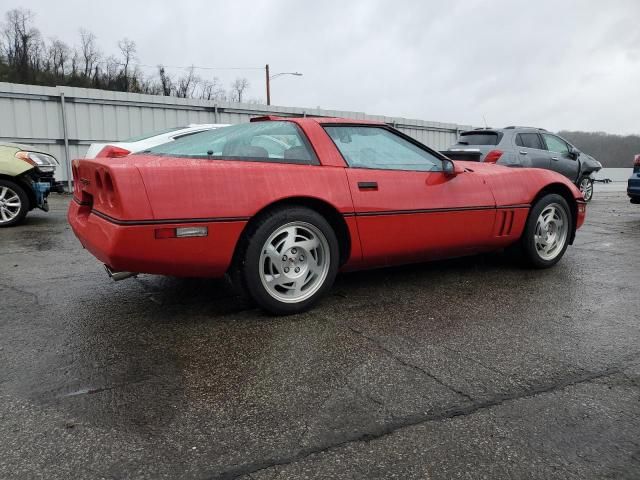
(27, 57)
(610, 150)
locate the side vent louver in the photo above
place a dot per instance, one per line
(505, 223)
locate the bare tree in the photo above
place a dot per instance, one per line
(59, 53)
(166, 82)
(238, 87)
(128, 50)
(89, 51)
(213, 90)
(20, 39)
(111, 66)
(187, 84)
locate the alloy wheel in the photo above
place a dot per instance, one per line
(551, 232)
(586, 187)
(10, 204)
(294, 262)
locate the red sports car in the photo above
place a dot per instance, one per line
(281, 204)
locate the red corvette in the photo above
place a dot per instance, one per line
(282, 204)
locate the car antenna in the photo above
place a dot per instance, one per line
(485, 122)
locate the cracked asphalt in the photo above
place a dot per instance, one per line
(470, 368)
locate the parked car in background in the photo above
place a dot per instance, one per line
(26, 179)
(528, 147)
(149, 140)
(343, 194)
(633, 185)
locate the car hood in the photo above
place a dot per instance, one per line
(590, 162)
(22, 146)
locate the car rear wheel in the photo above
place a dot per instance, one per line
(290, 260)
(547, 232)
(14, 203)
(586, 187)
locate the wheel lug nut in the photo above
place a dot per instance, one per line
(284, 258)
(302, 258)
(286, 269)
(297, 269)
(293, 250)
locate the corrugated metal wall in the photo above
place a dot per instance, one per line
(33, 115)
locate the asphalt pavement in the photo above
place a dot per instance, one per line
(469, 368)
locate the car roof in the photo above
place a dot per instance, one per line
(509, 128)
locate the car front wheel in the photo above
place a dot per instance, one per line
(586, 187)
(14, 203)
(290, 260)
(547, 232)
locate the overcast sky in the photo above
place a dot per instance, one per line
(554, 64)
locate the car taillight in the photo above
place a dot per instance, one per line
(111, 151)
(493, 156)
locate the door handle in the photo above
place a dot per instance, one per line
(368, 185)
(522, 152)
(555, 158)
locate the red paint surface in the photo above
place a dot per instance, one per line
(411, 216)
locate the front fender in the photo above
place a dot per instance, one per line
(11, 166)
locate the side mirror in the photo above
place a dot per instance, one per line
(574, 152)
(451, 169)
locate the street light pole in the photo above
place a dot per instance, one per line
(266, 68)
(269, 77)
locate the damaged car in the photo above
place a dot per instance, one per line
(26, 179)
(528, 147)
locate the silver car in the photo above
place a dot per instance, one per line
(527, 147)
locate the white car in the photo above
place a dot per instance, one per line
(143, 142)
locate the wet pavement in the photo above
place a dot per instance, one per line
(471, 368)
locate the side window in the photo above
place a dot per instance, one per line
(555, 144)
(380, 148)
(529, 140)
(277, 146)
(277, 141)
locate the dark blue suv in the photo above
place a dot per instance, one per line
(633, 188)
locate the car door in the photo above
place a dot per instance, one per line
(561, 160)
(406, 207)
(531, 150)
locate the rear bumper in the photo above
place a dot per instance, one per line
(633, 186)
(135, 248)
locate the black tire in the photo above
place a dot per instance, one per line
(588, 194)
(530, 252)
(24, 203)
(248, 268)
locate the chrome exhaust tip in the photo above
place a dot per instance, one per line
(117, 276)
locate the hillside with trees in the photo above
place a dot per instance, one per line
(26, 57)
(610, 150)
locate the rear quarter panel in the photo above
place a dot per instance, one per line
(195, 188)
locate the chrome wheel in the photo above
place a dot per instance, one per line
(10, 204)
(552, 228)
(294, 262)
(586, 187)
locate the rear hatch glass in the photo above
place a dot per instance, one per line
(479, 138)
